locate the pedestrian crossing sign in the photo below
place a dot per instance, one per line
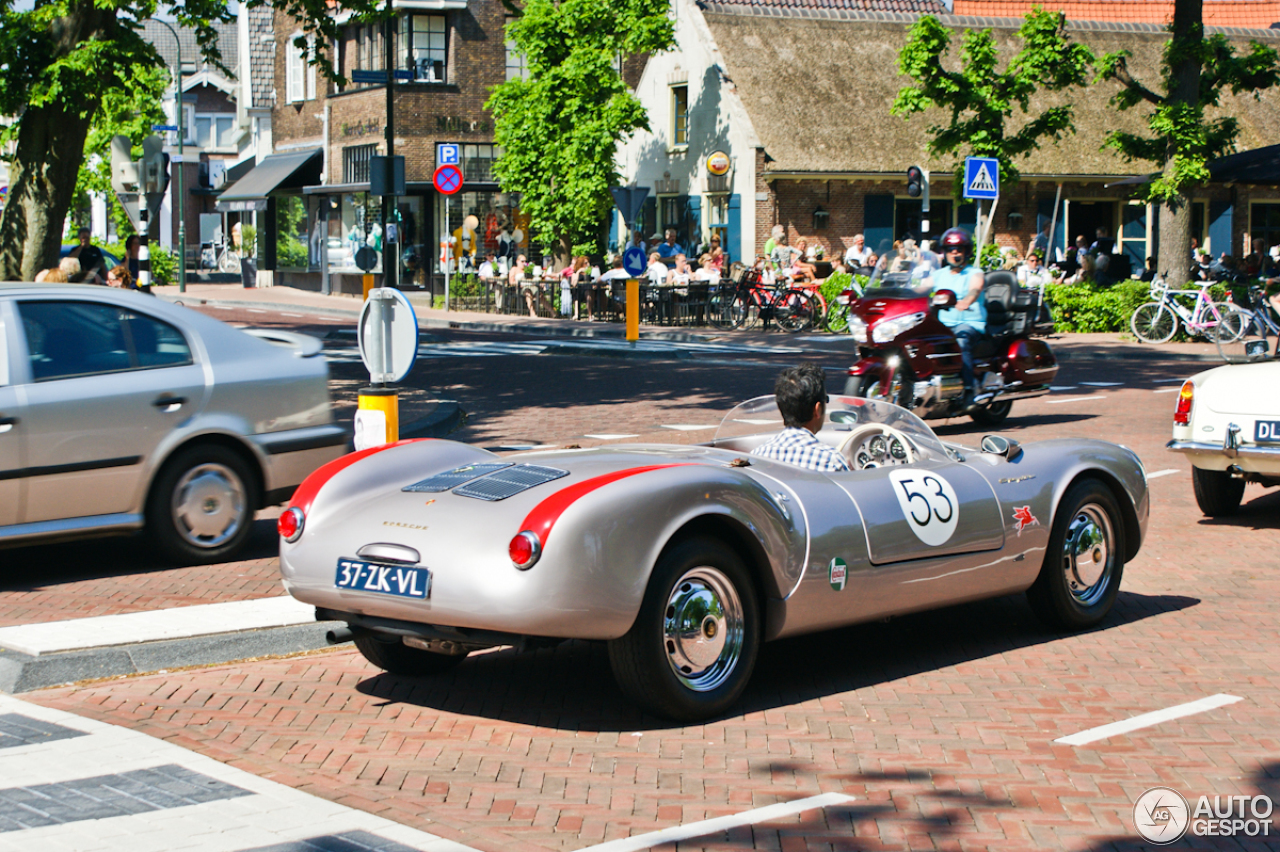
(981, 178)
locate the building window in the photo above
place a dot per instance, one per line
(517, 64)
(680, 115)
(718, 219)
(215, 131)
(478, 160)
(1264, 227)
(424, 49)
(366, 50)
(355, 163)
(300, 78)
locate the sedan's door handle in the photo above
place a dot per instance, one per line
(7, 423)
(169, 403)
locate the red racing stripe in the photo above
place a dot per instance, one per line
(545, 514)
(310, 487)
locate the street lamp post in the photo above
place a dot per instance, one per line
(182, 135)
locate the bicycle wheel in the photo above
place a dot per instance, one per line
(1230, 326)
(727, 310)
(230, 262)
(837, 319)
(1153, 322)
(1256, 341)
(794, 310)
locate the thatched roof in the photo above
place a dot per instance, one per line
(818, 86)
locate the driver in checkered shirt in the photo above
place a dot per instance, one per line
(801, 393)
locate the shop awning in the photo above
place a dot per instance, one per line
(276, 172)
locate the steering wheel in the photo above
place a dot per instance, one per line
(877, 445)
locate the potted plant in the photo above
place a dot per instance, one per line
(247, 246)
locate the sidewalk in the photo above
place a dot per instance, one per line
(1107, 345)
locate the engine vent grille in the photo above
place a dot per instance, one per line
(508, 483)
(453, 478)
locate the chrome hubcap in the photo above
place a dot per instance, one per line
(208, 505)
(702, 628)
(1086, 554)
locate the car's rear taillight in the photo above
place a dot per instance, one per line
(291, 523)
(1182, 414)
(524, 550)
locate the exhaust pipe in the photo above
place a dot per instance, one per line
(339, 635)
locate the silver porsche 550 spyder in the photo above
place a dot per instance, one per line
(685, 558)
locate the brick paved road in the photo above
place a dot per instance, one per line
(942, 725)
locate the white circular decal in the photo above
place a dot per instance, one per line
(929, 503)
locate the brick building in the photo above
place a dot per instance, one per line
(447, 55)
(798, 96)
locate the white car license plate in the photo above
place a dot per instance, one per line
(1266, 430)
(405, 581)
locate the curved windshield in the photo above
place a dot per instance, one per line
(760, 416)
(906, 265)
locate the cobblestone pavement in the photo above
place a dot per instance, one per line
(941, 725)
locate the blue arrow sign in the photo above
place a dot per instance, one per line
(981, 178)
(633, 260)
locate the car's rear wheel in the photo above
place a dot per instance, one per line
(993, 414)
(202, 504)
(1084, 563)
(390, 654)
(692, 648)
(1217, 493)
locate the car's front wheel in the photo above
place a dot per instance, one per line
(390, 654)
(1084, 562)
(202, 504)
(1217, 493)
(692, 648)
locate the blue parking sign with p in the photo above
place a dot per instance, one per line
(447, 154)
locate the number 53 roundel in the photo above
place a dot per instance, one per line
(929, 503)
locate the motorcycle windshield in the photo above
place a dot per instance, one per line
(910, 267)
(760, 416)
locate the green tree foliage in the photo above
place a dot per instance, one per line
(59, 62)
(981, 98)
(1182, 136)
(559, 129)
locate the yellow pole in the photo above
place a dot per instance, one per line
(368, 284)
(633, 309)
(387, 401)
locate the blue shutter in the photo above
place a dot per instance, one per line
(613, 230)
(967, 216)
(649, 216)
(733, 243)
(1220, 216)
(693, 231)
(878, 222)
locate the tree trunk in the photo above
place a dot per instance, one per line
(1183, 57)
(564, 252)
(42, 182)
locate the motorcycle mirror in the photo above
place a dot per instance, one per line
(998, 445)
(944, 299)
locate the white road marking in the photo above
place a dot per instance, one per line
(1167, 390)
(610, 437)
(1160, 473)
(1146, 720)
(176, 623)
(1102, 384)
(291, 315)
(1061, 387)
(719, 824)
(686, 428)
(255, 311)
(1074, 399)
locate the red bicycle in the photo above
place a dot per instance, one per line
(746, 299)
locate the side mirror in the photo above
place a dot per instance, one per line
(998, 445)
(944, 299)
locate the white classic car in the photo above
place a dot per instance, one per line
(1227, 421)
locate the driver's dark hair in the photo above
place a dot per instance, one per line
(797, 391)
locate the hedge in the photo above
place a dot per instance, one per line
(1088, 307)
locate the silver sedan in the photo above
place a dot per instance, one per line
(120, 412)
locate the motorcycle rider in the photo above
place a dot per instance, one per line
(968, 319)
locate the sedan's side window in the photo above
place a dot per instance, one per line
(67, 339)
(4, 351)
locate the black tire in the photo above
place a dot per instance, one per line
(1087, 537)
(390, 654)
(993, 414)
(1153, 322)
(795, 310)
(1217, 493)
(837, 319)
(727, 310)
(201, 506)
(695, 579)
(901, 393)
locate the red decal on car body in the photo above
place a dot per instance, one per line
(306, 493)
(1024, 517)
(545, 514)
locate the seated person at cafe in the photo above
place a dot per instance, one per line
(680, 272)
(801, 393)
(669, 247)
(657, 271)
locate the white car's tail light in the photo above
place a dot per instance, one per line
(290, 524)
(524, 550)
(1182, 414)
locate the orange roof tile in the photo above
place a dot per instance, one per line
(1248, 14)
